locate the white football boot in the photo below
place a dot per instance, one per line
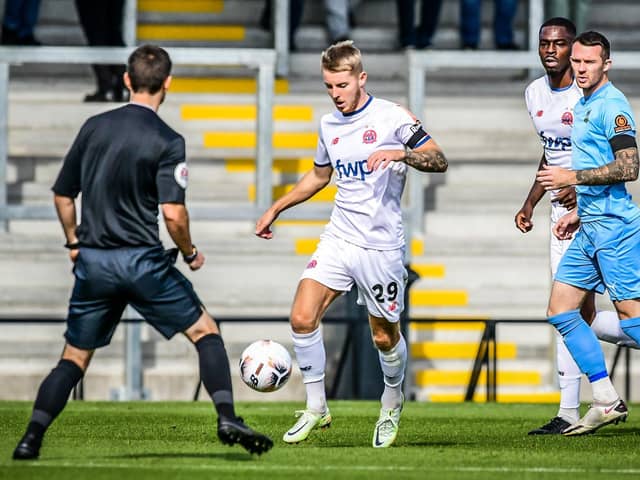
(307, 421)
(387, 426)
(597, 417)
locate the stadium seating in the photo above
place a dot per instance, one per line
(472, 260)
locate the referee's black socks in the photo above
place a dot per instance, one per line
(53, 395)
(215, 373)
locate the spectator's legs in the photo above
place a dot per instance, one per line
(406, 27)
(28, 18)
(470, 23)
(504, 15)
(337, 12)
(428, 22)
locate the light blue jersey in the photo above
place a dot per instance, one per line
(597, 119)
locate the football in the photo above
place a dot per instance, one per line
(265, 366)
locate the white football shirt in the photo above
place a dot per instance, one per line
(367, 209)
(551, 111)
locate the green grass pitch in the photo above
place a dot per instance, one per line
(159, 440)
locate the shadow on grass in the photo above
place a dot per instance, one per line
(231, 456)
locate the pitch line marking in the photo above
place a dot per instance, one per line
(262, 467)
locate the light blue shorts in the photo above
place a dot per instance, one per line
(605, 254)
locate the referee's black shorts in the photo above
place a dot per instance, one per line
(143, 277)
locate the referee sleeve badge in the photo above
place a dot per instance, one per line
(181, 175)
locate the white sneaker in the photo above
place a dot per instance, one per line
(307, 421)
(387, 426)
(597, 417)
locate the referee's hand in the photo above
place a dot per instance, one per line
(197, 262)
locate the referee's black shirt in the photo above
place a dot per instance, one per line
(125, 162)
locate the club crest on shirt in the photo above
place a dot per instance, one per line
(539, 113)
(335, 141)
(312, 264)
(567, 118)
(369, 136)
(181, 174)
(622, 124)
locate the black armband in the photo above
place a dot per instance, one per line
(192, 256)
(72, 246)
(620, 142)
(419, 136)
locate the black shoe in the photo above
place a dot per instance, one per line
(508, 46)
(28, 448)
(98, 97)
(555, 427)
(9, 36)
(232, 431)
(29, 40)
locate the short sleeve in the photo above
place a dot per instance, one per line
(173, 174)
(618, 119)
(322, 157)
(409, 129)
(69, 181)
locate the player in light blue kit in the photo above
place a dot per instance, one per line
(605, 253)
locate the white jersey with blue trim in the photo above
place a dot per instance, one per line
(551, 111)
(367, 208)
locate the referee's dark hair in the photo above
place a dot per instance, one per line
(148, 67)
(592, 39)
(568, 25)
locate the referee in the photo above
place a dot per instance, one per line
(126, 162)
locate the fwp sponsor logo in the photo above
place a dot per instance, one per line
(555, 143)
(352, 169)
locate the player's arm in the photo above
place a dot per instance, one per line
(525, 214)
(624, 168)
(176, 218)
(428, 157)
(310, 184)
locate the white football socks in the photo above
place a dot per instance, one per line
(393, 364)
(312, 358)
(569, 381)
(607, 328)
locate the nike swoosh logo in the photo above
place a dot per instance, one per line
(378, 442)
(608, 410)
(290, 433)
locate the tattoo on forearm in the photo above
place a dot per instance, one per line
(623, 169)
(427, 161)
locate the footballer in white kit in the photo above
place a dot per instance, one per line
(368, 143)
(550, 101)
(364, 240)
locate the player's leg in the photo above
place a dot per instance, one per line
(621, 267)
(381, 278)
(569, 373)
(311, 301)
(323, 280)
(51, 399)
(166, 299)
(93, 315)
(392, 352)
(215, 374)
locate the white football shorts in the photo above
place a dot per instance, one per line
(379, 274)
(557, 248)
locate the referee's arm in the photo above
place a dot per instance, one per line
(66, 209)
(176, 218)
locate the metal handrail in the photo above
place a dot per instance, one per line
(262, 60)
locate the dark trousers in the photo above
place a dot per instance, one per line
(421, 36)
(504, 14)
(101, 22)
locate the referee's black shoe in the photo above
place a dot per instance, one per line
(28, 448)
(555, 426)
(234, 430)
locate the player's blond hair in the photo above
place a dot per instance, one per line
(342, 57)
